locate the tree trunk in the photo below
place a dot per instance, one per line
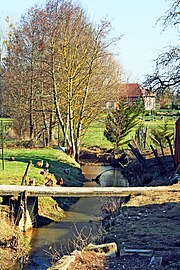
(50, 127)
(57, 110)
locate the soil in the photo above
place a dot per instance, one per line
(149, 221)
(145, 221)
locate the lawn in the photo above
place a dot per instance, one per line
(14, 170)
(58, 161)
(94, 136)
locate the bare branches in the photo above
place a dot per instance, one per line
(57, 52)
(172, 17)
(167, 72)
(167, 65)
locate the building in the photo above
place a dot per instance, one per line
(132, 92)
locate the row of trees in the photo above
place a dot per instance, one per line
(57, 71)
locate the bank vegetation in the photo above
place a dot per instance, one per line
(14, 246)
(13, 243)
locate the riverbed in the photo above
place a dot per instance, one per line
(56, 236)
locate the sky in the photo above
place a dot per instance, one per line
(143, 40)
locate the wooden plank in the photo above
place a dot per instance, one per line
(158, 159)
(82, 191)
(141, 252)
(138, 155)
(171, 150)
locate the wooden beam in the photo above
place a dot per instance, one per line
(2, 142)
(24, 178)
(44, 191)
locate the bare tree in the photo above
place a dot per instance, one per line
(23, 76)
(60, 62)
(172, 15)
(167, 70)
(82, 70)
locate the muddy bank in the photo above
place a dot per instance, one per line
(150, 221)
(145, 221)
(95, 156)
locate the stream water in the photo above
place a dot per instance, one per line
(79, 215)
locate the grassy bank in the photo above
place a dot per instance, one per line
(58, 161)
(49, 209)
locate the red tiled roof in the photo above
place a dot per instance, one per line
(130, 90)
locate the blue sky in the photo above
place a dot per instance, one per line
(142, 39)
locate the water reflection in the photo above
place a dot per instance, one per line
(113, 178)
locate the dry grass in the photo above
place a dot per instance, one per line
(14, 246)
(154, 198)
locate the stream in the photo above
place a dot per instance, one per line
(79, 215)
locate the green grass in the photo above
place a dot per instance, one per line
(14, 170)
(95, 133)
(58, 161)
(94, 136)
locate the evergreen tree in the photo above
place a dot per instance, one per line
(120, 122)
(159, 134)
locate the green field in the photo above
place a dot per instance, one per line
(14, 170)
(95, 133)
(94, 136)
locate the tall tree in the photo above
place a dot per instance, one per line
(65, 67)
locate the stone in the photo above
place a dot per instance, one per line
(155, 262)
(109, 249)
(63, 263)
(25, 226)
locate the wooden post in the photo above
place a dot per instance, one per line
(2, 140)
(176, 142)
(171, 150)
(24, 201)
(162, 151)
(145, 137)
(24, 178)
(158, 159)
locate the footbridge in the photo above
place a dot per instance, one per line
(27, 203)
(44, 191)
